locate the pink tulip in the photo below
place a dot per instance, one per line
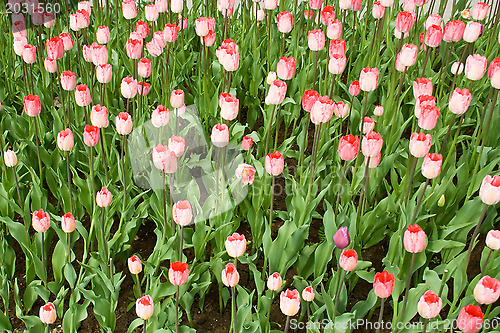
(182, 213)
(178, 273)
(177, 98)
(316, 40)
(134, 265)
(336, 46)
(290, 302)
(274, 281)
(67, 41)
(177, 144)
(432, 165)
(209, 39)
(494, 73)
(433, 36)
(176, 6)
(371, 144)
(18, 44)
(270, 4)
(49, 20)
(123, 123)
(129, 9)
(229, 106)
(493, 239)
(327, 15)
(308, 294)
(387, 3)
(378, 10)
(103, 35)
(246, 143)
(203, 25)
(55, 48)
(308, 99)
(151, 12)
(160, 116)
(459, 101)
(470, 319)
(228, 55)
(142, 90)
(337, 64)
(422, 102)
(379, 110)
(29, 54)
(83, 18)
(154, 47)
(68, 223)
(220, 135)
(457, 68)
(373, 162)
(99, 54)
(348, 260)
(164, 159)
(285, 22)
(82, 95)
(422, 86)
(133, 48)
(230, 276)
(91, 135)
(429, 305)
(334, 30)
(420, 144)
(144, 307)
(104, 73)
(65, 140)
(274, 163)
(246, 172)
(276, 93)
(428, 117)
(144, 67)
(128, 87)
(480, 11)
(142, 28)
(40, 220)
(487, 290)
(10, 158)
(48, 313)
(50, 65)
(235, 245)
(489, 192)
(453, 31)
(368, 125)
(475, 67)
(433, 19)
(409, 5)
(398, 65)
(322, 110)
(32, 105)
(348, 147)
(354, 88)
(408, 54)
(383, 284)
(103, 198)
(341, 109)
(170, 32)
(472, 31)
(99, 116)
(286, 68)
(404, 21)
(414, 239)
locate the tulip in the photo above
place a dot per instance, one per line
(378, 10)
(134, 265)
(404, 21)
(246, 172)
(379, 110)
(274, 281)
(348, 260)
(29, 54)
(270, 4)
(228, 55)
(87, 52)
(453, 31)
(475, 67)
(371, 144)
(48, 313)
(99, 116)
(177, 145)
(398, 65)
(334, 30)
(414, 239)
(129, 9)
(55, 48)
(177, 98)
(327, 15)
(409, 6)
(151, 12)
(144, 307)
(433, 36)
(18, 44)
(387, 3)
(428, 117)
(493, 239)
(459, 101)
(368, 125)
(154, 47)
(489, 192)
(337, 64)
(103, 35)
(220, 135)
(144, 67)
(178, 273)
(123, 123)
(341, 109)
(128, 87)
(91, 135)
(472, 31)
(203, 25)
(104, 73)
(309, 98)
(209, 39)
(290, 302)
(10, 158)
(182, 213)
(67, 41)
(345, 4)
(480, 11)
(40, 221)
(133, 48)
(308, 294)
(65, 140)
(32, 105)
(50, 65)
(160, 116)
(408, 54)
(68, 223)
(429, 305)
(170, 32)
(420, 144)
(470, 319)
(274, 163)
(422, 86)
(354, 88)
(285, 22)
(373, 162)
(230, 276)
(316, 40)
(49, 20)
(432, 165)
(383, 284)
(457, 68)
(423, 101)
(494, 73)
(276, 93)
(434, 19)
(246, 143)
(235, 245)
(336, 46)
(82, 95)
(286, 68)
(104, 198)
(322, 110)
(229, 106)
(487, 290)
(348, 147)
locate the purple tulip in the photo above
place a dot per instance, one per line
(341, 238)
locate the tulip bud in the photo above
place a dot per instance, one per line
(354, 88)
(220, 135)
(429, 305)
(144, 306)
(475, 67)
(432, 165)
(348, 260)
(178, 273)
(48, 313)
(308, 99)
(134, 265)
(68, 223)
(274, 281)
(308, 294)
(246, 143)
(420, 144)
(316, 40)
(32, 105)
(489, 192)
(493, 239)
(99, 116)
(348, 150)
(40, 220)
(290, 302)
(371, 144)
(10, 158)
(103, 198)
(414, 239)
(82, 95)
(182, 213)
(274, 163)
(91, 135)
(230, 276)
(235, 245)
(334, 30)
(383, 284)
(285, 22)
(286, 68)
(160, 116)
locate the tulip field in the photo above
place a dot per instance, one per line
(250, 166)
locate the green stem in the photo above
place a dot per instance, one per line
(410, 180)
(486, 263)
(338, 294)
(474, 235)
(419, 202)
(272, 204)
(380, 316)
(234, 309)
(407, 287)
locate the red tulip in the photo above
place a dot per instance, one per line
(308, 99)
(422, 102)
(470, 319)
(327, 15)
(55, 48)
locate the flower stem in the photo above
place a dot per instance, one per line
(37, 140)
(342, 176)
(17, 188)
(233, 301)
(410, 180)
(338, 294)
(419, 202)
(68, 171)
(138, 284)
(269, 130)
(313, 159)
(407, 288)
(177, 310)
(124, 180)
(44, 269)
(272, 204)
(486, 263)
(287, 325)
(426, 321)
(474, 235)
(181, 239)
(380, 315)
